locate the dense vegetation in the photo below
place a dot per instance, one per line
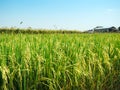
(59, 61)
(37, 31)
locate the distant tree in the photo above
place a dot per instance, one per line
(119, 28)
(29, 28)
(112, 29)
(21, 22)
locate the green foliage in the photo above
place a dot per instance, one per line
(31, 31)
(59, 61)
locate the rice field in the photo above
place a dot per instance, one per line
(60, 61)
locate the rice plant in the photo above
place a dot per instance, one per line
(59, 61)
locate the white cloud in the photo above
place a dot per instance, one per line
(109, 10)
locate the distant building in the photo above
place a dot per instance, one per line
(101, 29)
(90, 31)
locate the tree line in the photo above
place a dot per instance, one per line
(33, 31)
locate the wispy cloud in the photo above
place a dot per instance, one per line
(109, 10)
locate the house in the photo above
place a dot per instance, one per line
(101, 29)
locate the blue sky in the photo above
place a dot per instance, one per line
(60, 14)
